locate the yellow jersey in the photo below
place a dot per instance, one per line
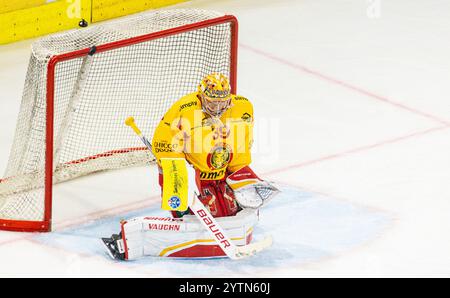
(213, 145)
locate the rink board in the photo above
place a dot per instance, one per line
(21, 20)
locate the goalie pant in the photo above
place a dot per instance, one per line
(183, 237)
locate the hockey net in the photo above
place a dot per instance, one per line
(80, 87)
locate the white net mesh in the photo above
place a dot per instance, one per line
(94, 95)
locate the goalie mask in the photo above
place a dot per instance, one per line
(214, 91)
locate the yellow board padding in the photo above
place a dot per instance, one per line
(12, 5)
(33, 18)
(48, 18)
(109, 9)
(162, 3)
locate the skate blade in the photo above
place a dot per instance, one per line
(108, 250)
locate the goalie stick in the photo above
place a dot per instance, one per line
(211, 225)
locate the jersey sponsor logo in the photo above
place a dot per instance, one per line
(247, 117)
(212, 175)
(219, 157)
(240, 98)
(188, 105)
(164, 147)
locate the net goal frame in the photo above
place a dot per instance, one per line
(45, 224)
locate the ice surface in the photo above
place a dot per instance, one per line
(352, 117)
(306, 227)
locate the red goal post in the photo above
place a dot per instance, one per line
(26, 202)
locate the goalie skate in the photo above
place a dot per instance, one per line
(114, 247)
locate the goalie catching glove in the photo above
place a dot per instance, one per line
(249, 190)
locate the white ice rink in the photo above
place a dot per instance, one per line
(352, 110)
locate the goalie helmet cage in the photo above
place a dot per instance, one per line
(82, 84)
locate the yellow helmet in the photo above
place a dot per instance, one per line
(215, 92)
